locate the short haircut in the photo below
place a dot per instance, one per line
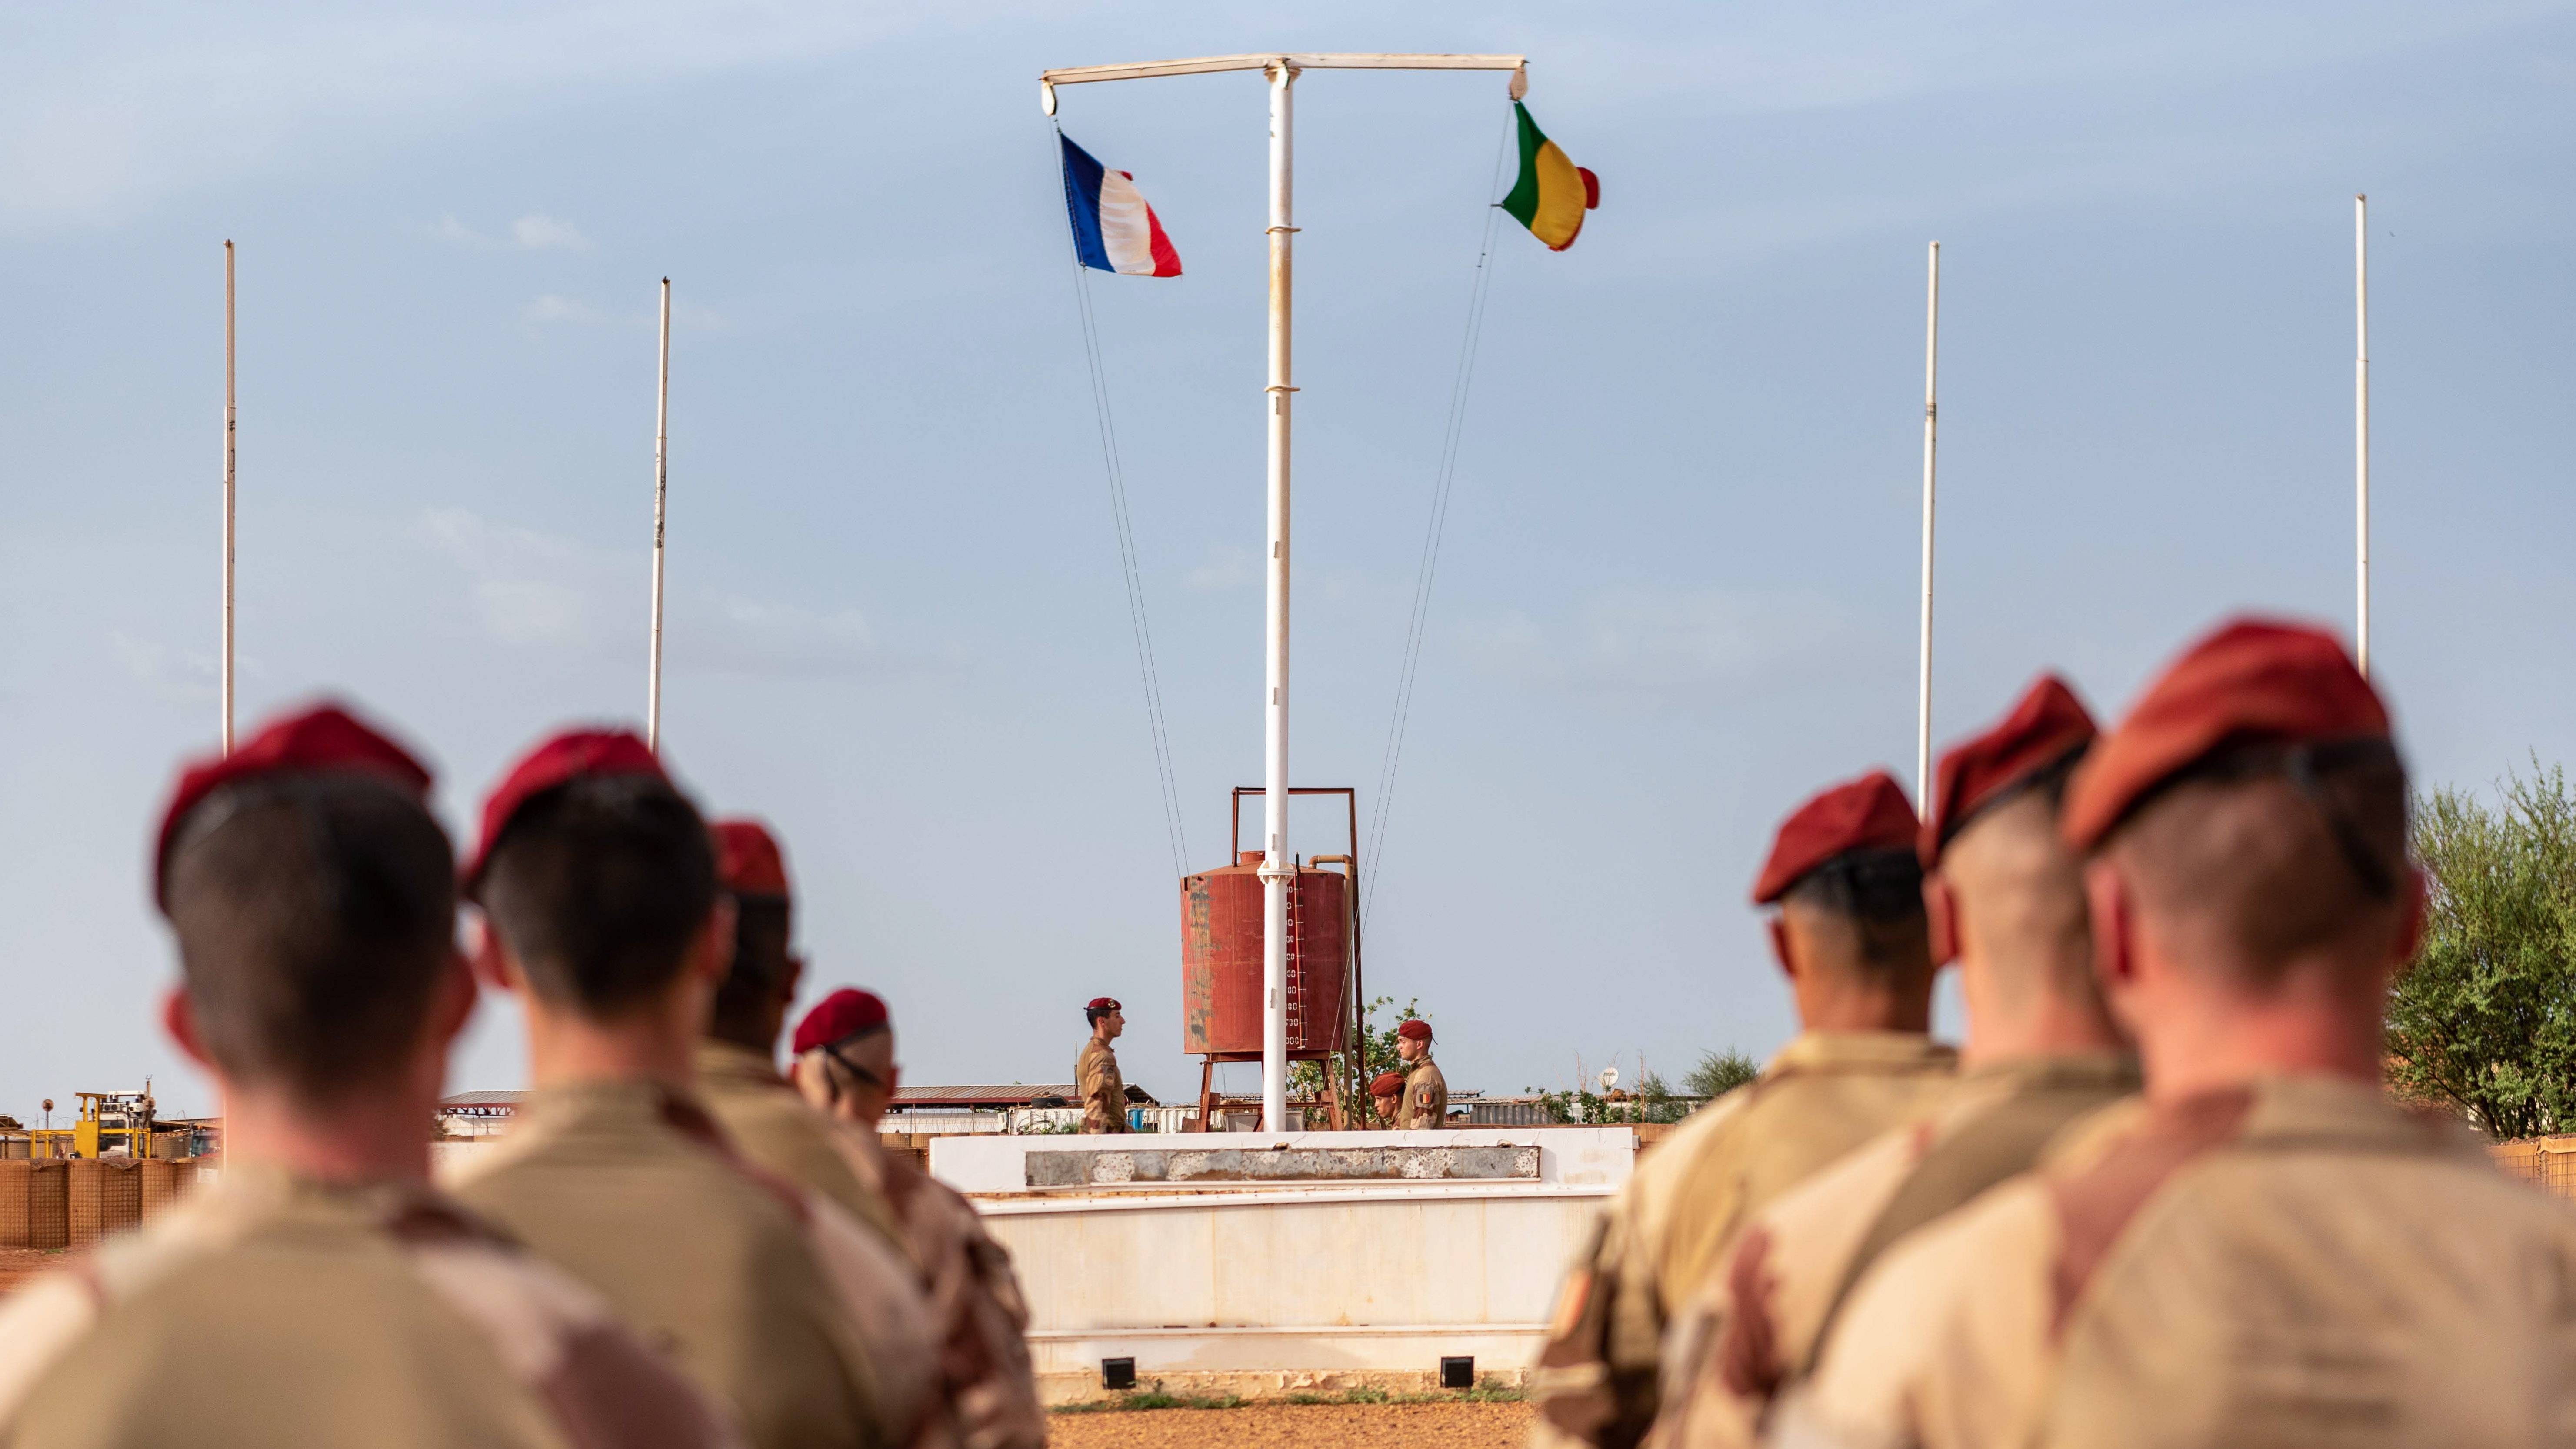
(2264, 854)
(315, 915)
(1875, 897)
(598, 886)
(747, 1003)
(2020, 890)
(1092, 1014)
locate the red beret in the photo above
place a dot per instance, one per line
(1388, 1084)
(1414, 1027)
(569, 756)
(323, 739)
(1870, 813)
(747, 859)
(840, 1016)
(1104, 1003)
(2047, 726)
(2253, 679)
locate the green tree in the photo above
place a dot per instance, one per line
(2484, 1019)
(1719, 1073)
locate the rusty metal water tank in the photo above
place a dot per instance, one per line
(1221, 925)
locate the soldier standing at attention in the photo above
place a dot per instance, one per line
(845, 1066)
(1426, 1092)
(321, 1293)
(598, 885)
(2006, 901)
(2262, 1249)
(1850, 937)
(738, 1080)
(1095, 1071)
(1386, 1094)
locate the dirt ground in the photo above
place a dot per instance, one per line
(17, 1263)
(1307, 1426)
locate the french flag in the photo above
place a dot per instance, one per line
(1113, 229)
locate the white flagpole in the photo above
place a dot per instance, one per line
(1931, 435)
(2361, 423)
(1276, 870)
(231, 421)
(661, 492)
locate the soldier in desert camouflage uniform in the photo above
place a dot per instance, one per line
(321, 1293)
(845, 1066)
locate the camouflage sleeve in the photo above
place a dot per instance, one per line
(881, 1296)
(990, 1383)
(560, 1341)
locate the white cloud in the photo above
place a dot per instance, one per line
(1224, 568)
(552, 308)
(534, 232)
(168, 672)
(102, 119)
(530, 590)
(1660, 647)
(537, 232)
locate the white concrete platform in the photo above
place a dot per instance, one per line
(1306, 1280)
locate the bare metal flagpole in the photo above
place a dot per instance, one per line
(1278, 867)
(1278, 870)
(1931, 436)
(231, 420)
(661, 493)
(2361, 423)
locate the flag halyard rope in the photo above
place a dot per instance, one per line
(1444, 479)
(1140, 626)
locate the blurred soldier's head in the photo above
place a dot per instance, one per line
(1849, 932)
(2250, 885)
(2003, 892)
(845, 1056)
(314, 900)
(1412, 1039)
(751, 1006)
(598, 880)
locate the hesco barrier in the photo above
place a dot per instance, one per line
(35, 1205)
(106, 1197)
(2546, 1162)
(164, 1183)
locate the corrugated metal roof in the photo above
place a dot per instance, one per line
(483, 1099)
(1015, 1094)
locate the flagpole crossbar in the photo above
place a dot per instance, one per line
(1074, 75)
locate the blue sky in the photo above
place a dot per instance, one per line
(1678, 583)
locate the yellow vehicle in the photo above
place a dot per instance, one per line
(111, 1124)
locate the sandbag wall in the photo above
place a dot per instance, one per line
(35, 1203)
(164, 1182)
(106, 1197)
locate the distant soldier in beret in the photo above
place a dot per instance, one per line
(597, 880)
(321, 1293)
(759, 1110)
(1850, 936)
(2262, 1249)
(1426, 1092)
(1386, 1095)
(1096, 1083)
(845, 1066)
(2006, 899)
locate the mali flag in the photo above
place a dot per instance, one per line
(1552, 193)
